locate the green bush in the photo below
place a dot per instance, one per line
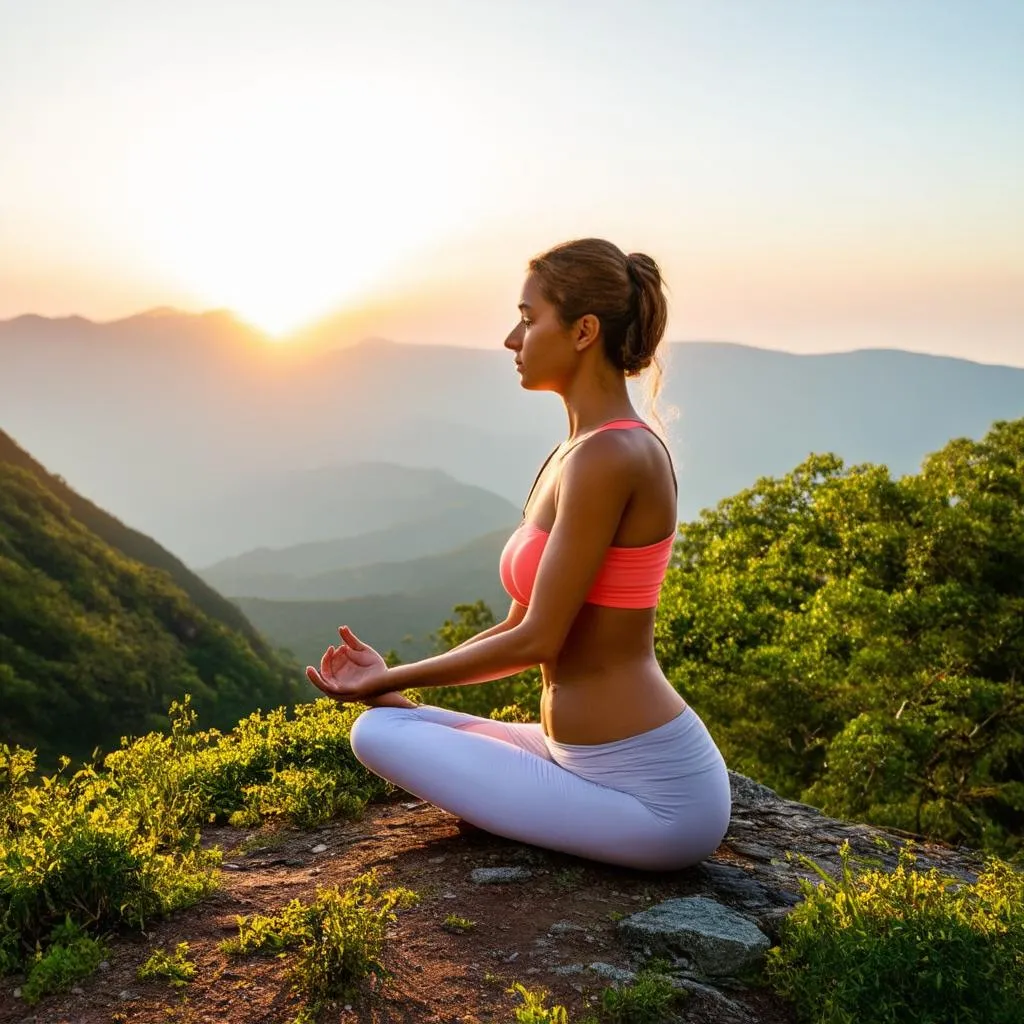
(910, 947)
(120, 843)
(853, 640)
(648, 1000)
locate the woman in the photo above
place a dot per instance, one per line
(619, 769)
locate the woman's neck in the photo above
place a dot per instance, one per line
(587, 407)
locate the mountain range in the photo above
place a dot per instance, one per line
(200, 433)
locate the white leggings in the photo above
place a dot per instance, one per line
(659, 800)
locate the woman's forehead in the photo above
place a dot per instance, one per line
(531, 293)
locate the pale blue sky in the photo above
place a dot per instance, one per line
(812, 175)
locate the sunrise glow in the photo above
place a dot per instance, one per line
(410, 159)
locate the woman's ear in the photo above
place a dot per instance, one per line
(587, 331)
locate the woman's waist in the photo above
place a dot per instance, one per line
(657, 759)
(608, 706)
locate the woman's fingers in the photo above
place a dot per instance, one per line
(351, 639)
(325, 662)
(318, 680)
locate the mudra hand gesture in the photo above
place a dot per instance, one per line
(353, 671)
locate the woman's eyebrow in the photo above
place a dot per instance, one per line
(524, 305)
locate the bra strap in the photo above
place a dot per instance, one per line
(620, 425)
(536, 479)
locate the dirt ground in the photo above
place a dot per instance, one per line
(437, 976)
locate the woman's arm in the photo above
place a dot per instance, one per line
(514, 617)
(594, 488)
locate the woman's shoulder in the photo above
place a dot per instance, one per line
(606, 459)
(630, 459)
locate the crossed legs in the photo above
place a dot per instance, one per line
(501, 777)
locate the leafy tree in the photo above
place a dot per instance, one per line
(857, 641)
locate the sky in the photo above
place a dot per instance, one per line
(811, 175)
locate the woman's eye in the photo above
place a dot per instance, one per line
(525, 322)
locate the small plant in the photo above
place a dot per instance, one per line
(70, 956)
(339, 938)
(533, 1010)
(648, 1000)
(458, 925)
(567, 878)
(174, 968)
(870, 944)
(615, 916)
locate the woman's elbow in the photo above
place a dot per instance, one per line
(537, 644)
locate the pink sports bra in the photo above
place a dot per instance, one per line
(628, 577)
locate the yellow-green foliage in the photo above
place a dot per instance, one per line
(458, 925)
(120, 844)
(907, 947)
(534, 1010)
(174, 968)
(339, 937)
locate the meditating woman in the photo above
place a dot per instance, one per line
(619, 769)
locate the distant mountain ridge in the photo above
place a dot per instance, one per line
(381, 562)
(336, 516)
(159, 419)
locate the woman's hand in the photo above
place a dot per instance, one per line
(352, 672)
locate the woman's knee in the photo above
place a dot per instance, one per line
(368, 734)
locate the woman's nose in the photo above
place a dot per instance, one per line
(514, 339)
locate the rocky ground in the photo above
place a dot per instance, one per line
(555, 922)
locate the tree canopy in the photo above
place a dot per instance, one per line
(857, 642)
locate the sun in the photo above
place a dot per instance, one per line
(289, 207)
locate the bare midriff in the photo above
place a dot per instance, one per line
(606, 684)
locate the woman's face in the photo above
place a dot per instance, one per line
(544, 349)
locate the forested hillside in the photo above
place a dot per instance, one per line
(95, 645)
(130, 542)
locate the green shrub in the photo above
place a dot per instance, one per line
(119, 844)
(905, 946)
(339, 937)
(174, 968)
(71, 955)
(648, 1000)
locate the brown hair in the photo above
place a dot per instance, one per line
(625, 293)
